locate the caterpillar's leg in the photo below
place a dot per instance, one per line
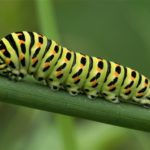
(73, 91)
(55, 86)
(92, 94)
(10, 74)
(145, 101)
(110, 97)
(44, 82)
(14, 75)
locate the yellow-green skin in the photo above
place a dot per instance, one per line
(23, 53)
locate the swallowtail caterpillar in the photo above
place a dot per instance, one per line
(23, 53)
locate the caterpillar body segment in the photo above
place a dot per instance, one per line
(77, 76)
(61, 69)
(23, 53)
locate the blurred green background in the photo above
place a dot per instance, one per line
(117, 30)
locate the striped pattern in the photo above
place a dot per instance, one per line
(23, 53)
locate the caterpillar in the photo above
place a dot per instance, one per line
(23, 53)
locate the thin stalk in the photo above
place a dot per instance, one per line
(39, 96)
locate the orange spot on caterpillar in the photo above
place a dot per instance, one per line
(59, 73)
(111, 87)
(65, 59)
(81, 65)
(21, 56)
(98, 69)
(132, 78)
(145, 84)
(94, 82)
(127, 90)
(46, 64)
(7, 61)
(34, 60)
(53, 52)
(76, 78)
(116, 74)
(38, 45)
(21, 42)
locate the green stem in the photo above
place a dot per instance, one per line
(48, 26)
(38, 96)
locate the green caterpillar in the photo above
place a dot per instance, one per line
(23, 53)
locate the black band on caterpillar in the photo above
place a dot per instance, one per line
(23, 53)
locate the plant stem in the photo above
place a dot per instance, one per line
(38, 96)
